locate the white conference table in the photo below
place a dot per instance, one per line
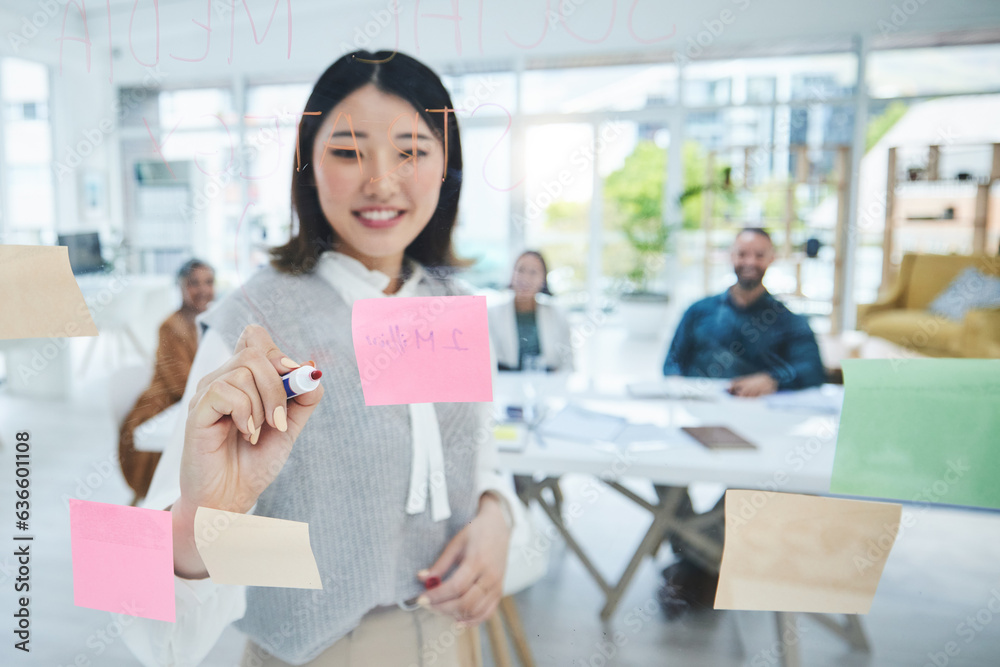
(680, 460)
(795, 435)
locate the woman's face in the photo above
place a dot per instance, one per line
(198, 289)
(378, 206)
(529, 275)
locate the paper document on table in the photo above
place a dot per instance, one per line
(827, 399)
(649, 436)
(576, 423)
(790, 552)
(679, 388)
(510, 437)
(920, 429)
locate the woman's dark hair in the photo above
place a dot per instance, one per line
(394, 74)
(189, 266)
(545, 270)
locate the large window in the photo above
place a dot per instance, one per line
(485, 104)
(271, 123)
(576, 161)
(937, 71)
(28, 214)
(559, 189)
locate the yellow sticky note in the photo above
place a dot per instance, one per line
(505, 432)
(791, 552)
(246, 550)
(40, 297)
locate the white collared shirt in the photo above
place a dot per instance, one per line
(204, 608)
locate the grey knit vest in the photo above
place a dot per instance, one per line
(348, 473)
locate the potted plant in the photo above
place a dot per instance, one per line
(635, 197)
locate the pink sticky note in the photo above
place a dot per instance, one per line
(123, 559)
(423, 349)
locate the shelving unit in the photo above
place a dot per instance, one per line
(897, 187)
(157, 234)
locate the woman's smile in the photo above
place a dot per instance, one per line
(379, 217)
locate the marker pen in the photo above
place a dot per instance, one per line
(301, 380)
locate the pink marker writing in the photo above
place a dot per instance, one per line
(301, 380)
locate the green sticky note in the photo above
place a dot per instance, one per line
(924, 430)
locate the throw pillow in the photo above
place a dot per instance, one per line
(970, 290)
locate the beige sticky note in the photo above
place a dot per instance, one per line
(247, 550)
(39, 296)
(790, 552)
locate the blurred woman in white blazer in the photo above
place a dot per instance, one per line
(526, 323)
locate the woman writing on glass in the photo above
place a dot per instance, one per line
(395, 496)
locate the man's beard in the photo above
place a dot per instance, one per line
(749, 283)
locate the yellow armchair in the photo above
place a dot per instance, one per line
(901, 316)
(982, 334)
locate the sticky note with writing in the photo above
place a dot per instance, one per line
(123, 559)
(423, 349)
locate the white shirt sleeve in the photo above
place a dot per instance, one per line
(204, 608)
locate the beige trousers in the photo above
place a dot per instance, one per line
(391, 637)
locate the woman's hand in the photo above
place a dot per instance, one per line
(474, 589)
(239, 433)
